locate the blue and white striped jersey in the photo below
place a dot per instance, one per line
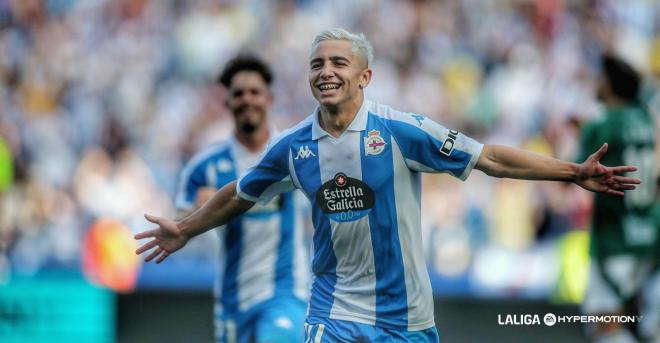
(364, 188)
(262, 254)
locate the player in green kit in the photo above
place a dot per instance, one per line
(625, 235)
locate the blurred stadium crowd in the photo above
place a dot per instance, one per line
(101, 103)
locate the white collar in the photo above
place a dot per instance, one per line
(359, 123)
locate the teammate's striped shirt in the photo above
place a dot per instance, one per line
(261, 252)
(364, 187)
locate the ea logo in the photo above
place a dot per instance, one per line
(550, 319)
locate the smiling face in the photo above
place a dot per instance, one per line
(249, 99)
(337, 75)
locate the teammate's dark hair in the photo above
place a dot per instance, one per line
(623, 80)
(245, 62)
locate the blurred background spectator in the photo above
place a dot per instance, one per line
(103, 101)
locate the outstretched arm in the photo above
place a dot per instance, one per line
(171, 235)
(502, 161)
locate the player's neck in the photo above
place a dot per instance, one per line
(336, 119)
(254, 141)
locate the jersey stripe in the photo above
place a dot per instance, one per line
(391, 302)
(324, 263)
(233, 244)
(407, 192)
(285, 247)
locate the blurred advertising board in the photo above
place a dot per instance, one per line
(62, 308)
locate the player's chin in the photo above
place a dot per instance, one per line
(253, 116)
(328, 100)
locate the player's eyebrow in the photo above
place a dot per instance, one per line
(332, 58)
(316, 60)
(339, 58)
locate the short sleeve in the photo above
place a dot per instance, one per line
(193, 177)
(430, 147)
(269, 177)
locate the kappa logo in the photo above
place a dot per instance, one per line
(224, 165)
(418, 117)
(304, 152)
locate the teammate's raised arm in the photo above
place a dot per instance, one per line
(171, 235)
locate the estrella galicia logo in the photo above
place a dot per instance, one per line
(344, 198)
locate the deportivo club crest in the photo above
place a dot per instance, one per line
(374, 144)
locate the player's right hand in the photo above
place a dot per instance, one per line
(167, 238)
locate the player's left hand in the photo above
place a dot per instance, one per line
(593, 176)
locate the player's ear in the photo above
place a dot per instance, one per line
(365, 78)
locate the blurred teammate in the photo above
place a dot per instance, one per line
(624, 247)
(359, 164)
(262, 290)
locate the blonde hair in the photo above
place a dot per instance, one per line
(361, 44)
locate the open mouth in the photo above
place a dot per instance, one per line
(328, 87)
(247, 110)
